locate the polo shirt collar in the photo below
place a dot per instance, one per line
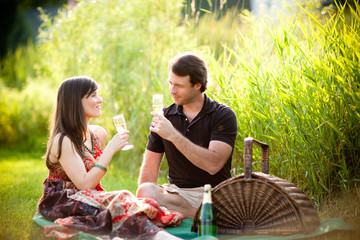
(209, 106)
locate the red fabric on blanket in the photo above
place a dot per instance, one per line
(98, 212)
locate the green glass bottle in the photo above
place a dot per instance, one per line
(207, 224)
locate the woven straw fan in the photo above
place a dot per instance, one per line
(259, 203)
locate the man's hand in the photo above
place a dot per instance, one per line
(210, 159)
(162, 126)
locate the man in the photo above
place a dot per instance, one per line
(197, 136)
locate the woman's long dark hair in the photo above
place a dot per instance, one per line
(69, 117)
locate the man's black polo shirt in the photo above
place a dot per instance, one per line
(215, 121)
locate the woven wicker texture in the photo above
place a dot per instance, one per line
(259, 203)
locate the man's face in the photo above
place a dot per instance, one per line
(181, 89)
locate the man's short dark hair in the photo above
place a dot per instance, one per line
(192, 65)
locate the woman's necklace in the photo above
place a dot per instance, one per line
(92, 144)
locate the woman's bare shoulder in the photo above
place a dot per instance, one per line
(57, 138)
(54, 151)
(99, 131)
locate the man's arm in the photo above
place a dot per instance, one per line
(210, 159)
(149, 171)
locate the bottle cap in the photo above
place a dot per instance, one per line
(207, 187)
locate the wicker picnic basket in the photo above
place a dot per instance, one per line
(259, 203)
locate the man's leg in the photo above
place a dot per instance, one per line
(172, 201)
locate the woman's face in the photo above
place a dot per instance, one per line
(92, 105)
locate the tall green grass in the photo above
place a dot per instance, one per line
(123, 45)
(296, 86)
(24, 116)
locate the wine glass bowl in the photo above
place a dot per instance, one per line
(120, 124)
(158, 103)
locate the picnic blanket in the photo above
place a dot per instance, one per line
(327, 229)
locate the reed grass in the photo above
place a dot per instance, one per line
(124, 46)
(299, 92)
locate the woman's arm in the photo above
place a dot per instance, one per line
(74, 167)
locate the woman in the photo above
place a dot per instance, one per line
(77, 160)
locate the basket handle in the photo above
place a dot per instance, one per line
(248, 142)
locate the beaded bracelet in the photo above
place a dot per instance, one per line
(101, 167)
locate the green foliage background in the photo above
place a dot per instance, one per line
(291, 78)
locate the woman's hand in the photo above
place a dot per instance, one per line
(118, 141)
(74, 166)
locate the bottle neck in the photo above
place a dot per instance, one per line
(207, 197)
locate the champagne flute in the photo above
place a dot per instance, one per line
(158, 103)
(120, 124)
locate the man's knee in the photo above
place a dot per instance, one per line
(147, 190)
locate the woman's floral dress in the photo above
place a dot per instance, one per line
(96, 211)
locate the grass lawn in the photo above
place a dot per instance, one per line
(21, 177)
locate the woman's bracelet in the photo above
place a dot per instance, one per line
(101, 167)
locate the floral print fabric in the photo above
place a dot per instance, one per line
(96, 211)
